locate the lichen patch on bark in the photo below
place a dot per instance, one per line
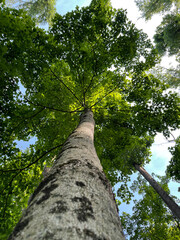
(85, 210)
(90, 234)
(60, 207)
(47, 191)
(44, 182)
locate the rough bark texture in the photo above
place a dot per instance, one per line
(75, 201)
(166, 198)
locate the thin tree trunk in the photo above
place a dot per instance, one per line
(75, 201)
(165, 197)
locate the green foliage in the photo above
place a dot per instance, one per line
(173, 168)
(16, 189)
(150, 218)
(19, 40)
(170, 76)
(151, 7)
(92, 57)
(167, 37)
(41, 10)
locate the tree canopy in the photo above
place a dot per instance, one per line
(92, 57)
(167, 36)
(42, 11)
(149, 8)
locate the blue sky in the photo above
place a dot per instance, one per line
(64, 6)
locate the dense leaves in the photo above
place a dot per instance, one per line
(92, 57)
(167, 35)
(173, 168)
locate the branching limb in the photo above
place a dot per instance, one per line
(30, 117)
(66, 87)
(51, 108)
(103, 97)
(174, 139)
(89, 86)
(21, 169)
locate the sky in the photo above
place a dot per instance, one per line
(160, 154)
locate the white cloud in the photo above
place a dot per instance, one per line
(135, 16)
(160, 153)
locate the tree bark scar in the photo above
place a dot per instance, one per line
(49, 236)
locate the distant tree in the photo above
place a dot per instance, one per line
(151, 7)
(173, 207)
(173, 168)
(150, 218)
(171, 75)
(167, 37)
(41, 10)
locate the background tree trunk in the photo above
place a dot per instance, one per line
(165, 197)
(75, 200)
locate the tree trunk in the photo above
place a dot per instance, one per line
(165, 197)
(75, 201)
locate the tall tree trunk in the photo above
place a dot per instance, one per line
(165, 197)
(75, 201)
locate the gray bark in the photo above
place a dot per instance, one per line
(175, 209)
(75, 201)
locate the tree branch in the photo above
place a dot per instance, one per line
(25, 119)
(21, 169)
(89, 84)
(66, 87)
(103, 97)
(51, 108)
